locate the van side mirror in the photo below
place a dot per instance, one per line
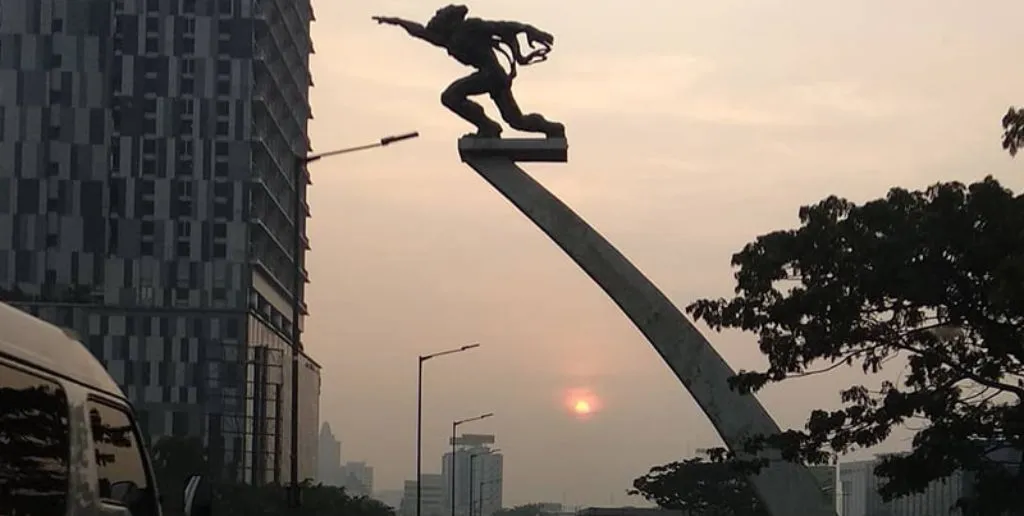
(198, 497)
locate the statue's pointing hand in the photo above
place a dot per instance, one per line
(385, 20)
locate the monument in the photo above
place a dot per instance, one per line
(785, 488)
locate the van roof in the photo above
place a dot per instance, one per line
(44, 345)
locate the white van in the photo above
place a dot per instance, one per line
(69, 443)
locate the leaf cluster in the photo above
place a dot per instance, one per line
(933, 279)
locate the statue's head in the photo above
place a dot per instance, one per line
(447, 18)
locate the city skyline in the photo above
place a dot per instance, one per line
(148, 202)
(692, 129)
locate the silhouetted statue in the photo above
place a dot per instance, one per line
(473, 42)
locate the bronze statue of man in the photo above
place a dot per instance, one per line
(473, 42)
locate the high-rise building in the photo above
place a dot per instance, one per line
(858, 493)
(431, 496)
(357, 478)
(478, 476)
(328, 458)
(147, 156)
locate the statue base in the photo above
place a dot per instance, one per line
(549, 150)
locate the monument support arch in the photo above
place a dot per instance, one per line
(787, 489)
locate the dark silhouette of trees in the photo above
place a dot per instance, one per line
(175, 459)
(934, 278)
(711, 486)
(530, 509)
(1013, 130)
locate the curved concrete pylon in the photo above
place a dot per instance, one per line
(787, 489)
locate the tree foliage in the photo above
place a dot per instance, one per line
(708, 485)
(530, 509)
(933, 278)
(175, 459)
(1013, 130)
(271, 500)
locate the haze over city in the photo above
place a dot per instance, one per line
(693, 127)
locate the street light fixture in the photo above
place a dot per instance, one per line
(419, 417)
(451, 470)
(472, 457)
(299, 224)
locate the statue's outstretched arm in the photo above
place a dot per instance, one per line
(414, 29)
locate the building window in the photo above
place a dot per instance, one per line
(222, 128)
(119, 464)
(148, 146)
(148, 167)
(152, 44)
(225, 7)
(220, 149)
(181, 296)
(36, 416)
(56, 60)
(152, 25)
(220, 169)
(184, 189)
(56, 26)
(188, 86)
(188, 6)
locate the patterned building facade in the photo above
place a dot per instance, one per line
(147, 154)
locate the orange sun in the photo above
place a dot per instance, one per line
(581, 407)
(582, 403)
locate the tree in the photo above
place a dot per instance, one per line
(707, 485)
(530, 509)
(1013, 130)
(271, 500)
(934, 278)
(175, 459)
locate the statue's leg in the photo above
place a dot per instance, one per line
(531, 123)
(456, 98)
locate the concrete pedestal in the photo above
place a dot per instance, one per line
(786, 489)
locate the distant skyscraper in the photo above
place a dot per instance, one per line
(147, 151)
(357, 478)
(431, 496)
(328, 457)
(478, 477)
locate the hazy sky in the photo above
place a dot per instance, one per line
(693, 127)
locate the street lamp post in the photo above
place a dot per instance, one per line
(299, 226)
(451, 470)
(472, 457)
(419, 417)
